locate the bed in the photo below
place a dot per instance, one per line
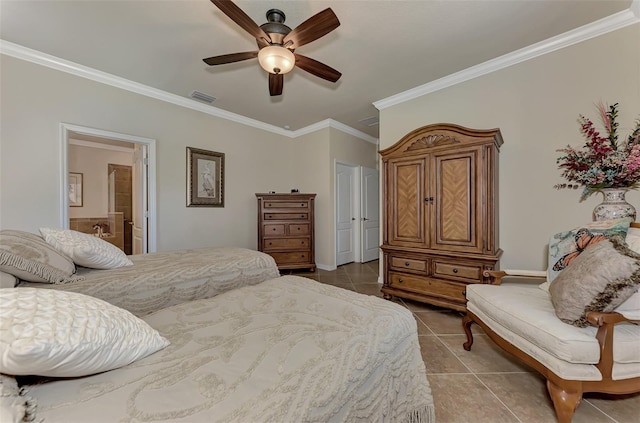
(285, 350)
(162, 279)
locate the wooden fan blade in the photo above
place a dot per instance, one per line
(313, 28)
(230, 58)
(316, 68)
(238, 16)
(276, 81)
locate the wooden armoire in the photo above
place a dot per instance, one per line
(440, 213)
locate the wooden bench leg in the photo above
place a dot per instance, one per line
(466, 325)
(565, 403)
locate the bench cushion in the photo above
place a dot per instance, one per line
(527, 312)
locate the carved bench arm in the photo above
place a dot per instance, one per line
(495, 276)
(606, 323)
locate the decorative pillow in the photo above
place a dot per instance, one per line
(566, 246)
(27, 256)
(600, 279)
(633, 239)
(86, 250)
(7, 281)
(55, 333)
(14, 406)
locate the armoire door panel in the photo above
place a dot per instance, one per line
(457, 201)
(407, 193)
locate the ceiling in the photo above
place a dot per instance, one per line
(382, 47)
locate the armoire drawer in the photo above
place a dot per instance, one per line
(428, 286)
(291, 257)
(302, 204)
(286, 216)
(408, 264)
(286, 243)
(456, 271)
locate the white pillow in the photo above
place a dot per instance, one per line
(84, 249)
(66, 334)
(633, 239)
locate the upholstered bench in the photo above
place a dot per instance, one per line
(520, 318)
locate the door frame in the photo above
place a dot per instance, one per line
(65, 130)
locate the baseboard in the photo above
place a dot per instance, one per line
(326, 267)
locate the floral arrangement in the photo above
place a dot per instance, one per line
(603, 161)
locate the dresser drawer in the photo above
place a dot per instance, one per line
(286, 216)
(465, 272)
(291, 257)
(407, 264)
(286, 243)
(302, 204)
(428, 286)
(298, 229)
(274, 229)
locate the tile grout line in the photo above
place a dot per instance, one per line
(478, 379)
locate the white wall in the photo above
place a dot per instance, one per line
(536, 105)
(315, 155)
(36, 99)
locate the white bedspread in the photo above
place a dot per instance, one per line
(286, 350)
(163, 279)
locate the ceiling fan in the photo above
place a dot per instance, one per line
(277, 43)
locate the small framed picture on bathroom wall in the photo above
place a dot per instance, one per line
(205, 178)
(75, 189)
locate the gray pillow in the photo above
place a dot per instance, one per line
(600, 279)
(14, 405)
(7, 280)
(28, 257)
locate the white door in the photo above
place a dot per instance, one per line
(140, 203)
(345, 217)
(370, 212)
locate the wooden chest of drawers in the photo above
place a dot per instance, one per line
(285, 229)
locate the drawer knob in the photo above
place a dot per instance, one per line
(455, 270)
(400, 280)
(298, 227)
(302, 215)
(464, 293)
(301, 204)
(270, 244)
(406, 263)
(274, 229)
(270, 216)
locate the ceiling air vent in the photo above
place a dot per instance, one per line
(370, 121)
(205, 98)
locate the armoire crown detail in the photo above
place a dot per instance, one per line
(432, 141)
(440, 213)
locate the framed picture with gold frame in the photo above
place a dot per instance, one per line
(205, 178)
(75, 189)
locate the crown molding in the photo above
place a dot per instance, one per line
(20, 52)
(600, 27)
(330, 123)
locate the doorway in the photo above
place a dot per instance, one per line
(356, 214)
(135, 221)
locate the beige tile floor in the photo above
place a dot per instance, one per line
(484, 385)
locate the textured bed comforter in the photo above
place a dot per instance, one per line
(286, 350)
(163, 279)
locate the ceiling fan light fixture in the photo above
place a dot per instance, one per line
(276, 59)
